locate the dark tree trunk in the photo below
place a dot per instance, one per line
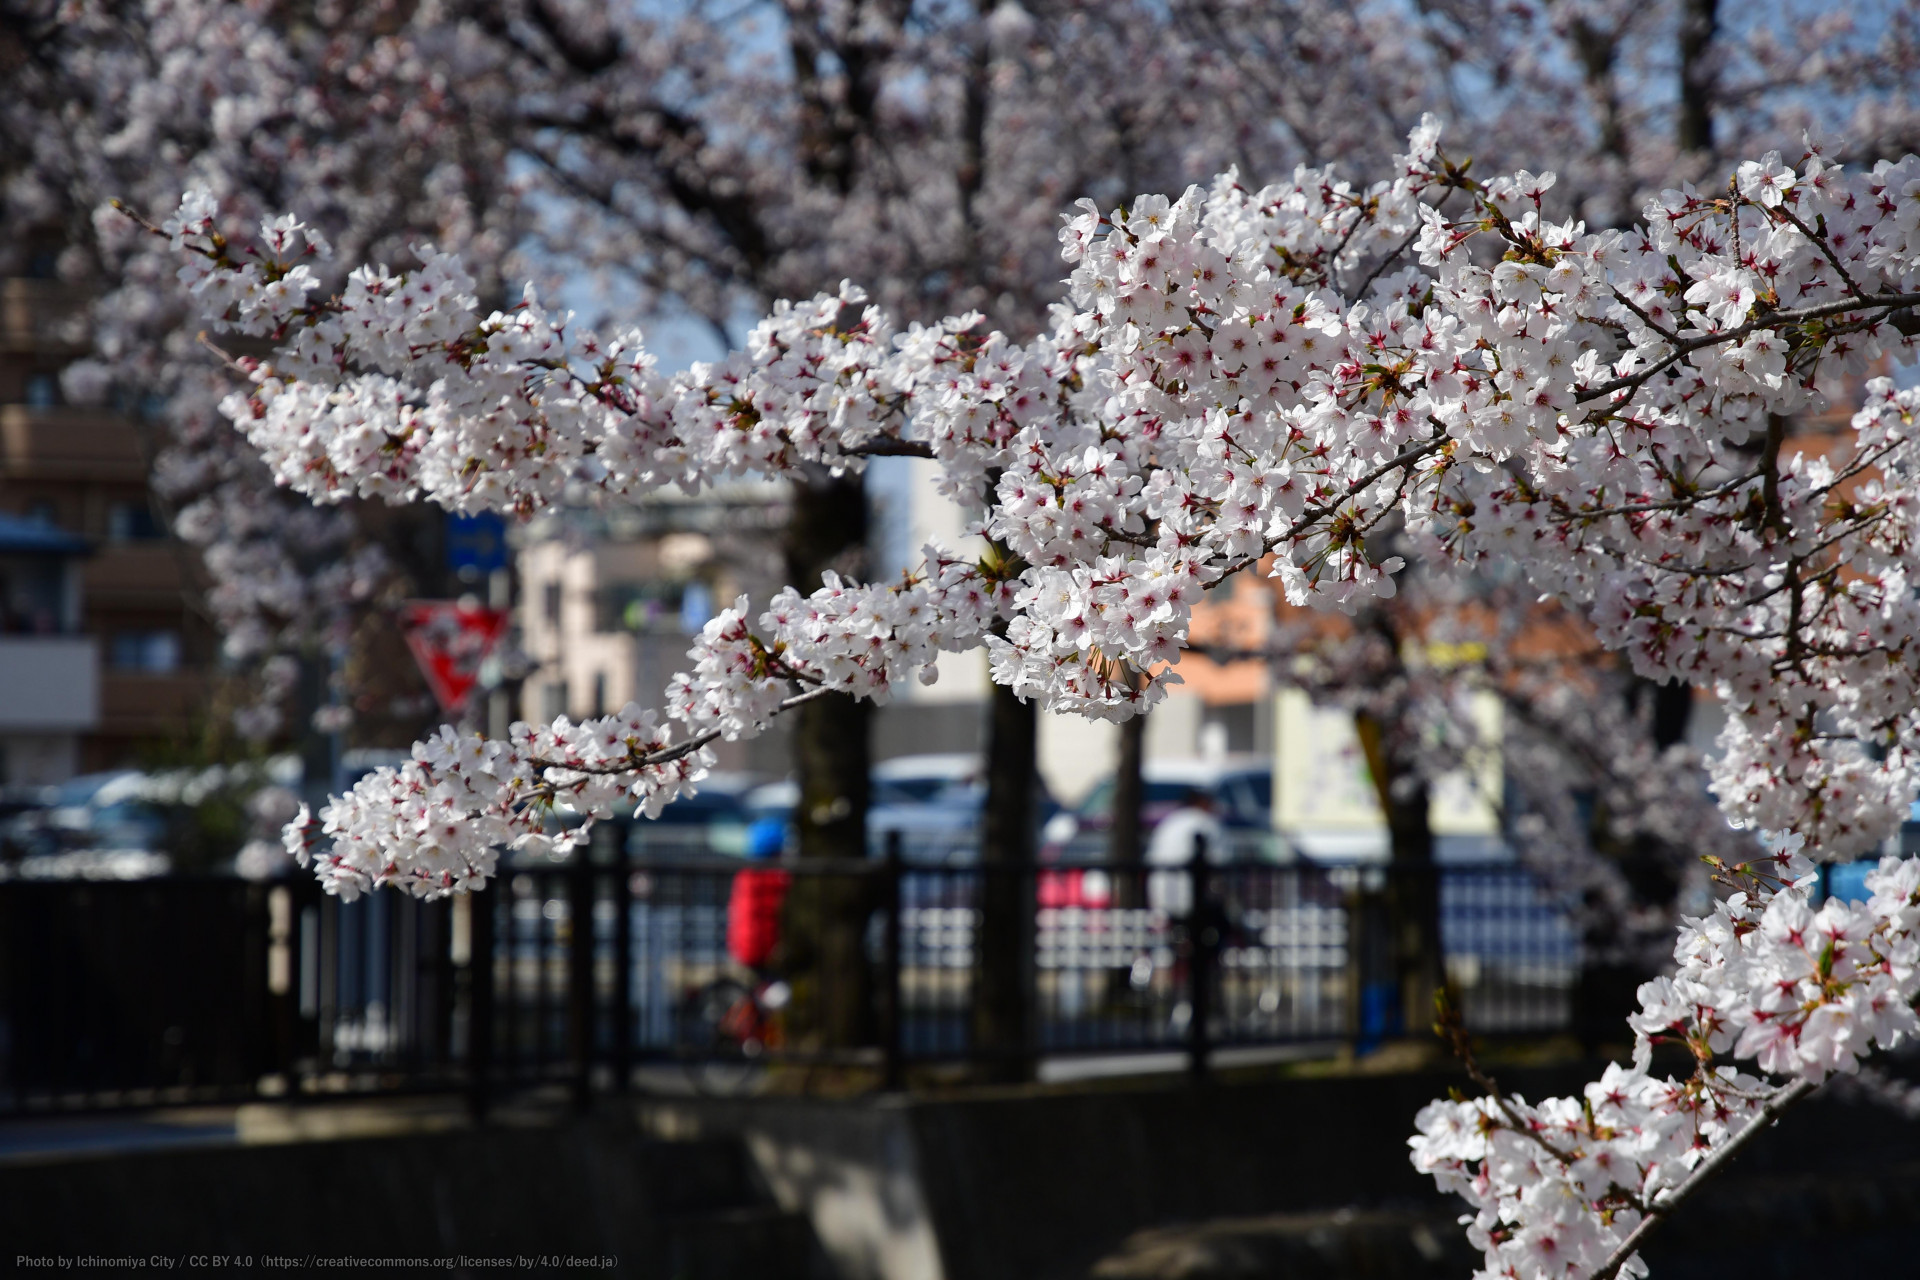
(1651, 870)
(1598, 49)
(826, 916)
(1672, 713)
(827, 530)
(1003, 940)
(1003, 950)
(1412, 893)
(1124, 846)
(1699, 23)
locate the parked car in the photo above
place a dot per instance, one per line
(1240, 787)
(23, 812)
(96, 826)
(935, 802)
(711, 819)
(714, 819)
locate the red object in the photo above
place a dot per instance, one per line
(1075, 887)
(450, 640)
(753, 914)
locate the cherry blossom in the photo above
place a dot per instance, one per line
(1569, 1186)
(1243, 374)
(1244, 378)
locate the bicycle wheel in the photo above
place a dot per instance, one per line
(715, 1060)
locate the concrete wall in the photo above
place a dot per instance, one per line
(577, 1189)
(1042, 1184)
(1020, 1184)
(854, 1168)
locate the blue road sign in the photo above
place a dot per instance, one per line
(477, 542)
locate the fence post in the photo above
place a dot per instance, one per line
(893, 1067)
(480, 994)
(580, 928)
(1203, 937)
(622, 897)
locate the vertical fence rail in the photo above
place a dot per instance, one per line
(580, 977)
(1203, 939)
(620, 902)
(480, 984)
(893, 1062)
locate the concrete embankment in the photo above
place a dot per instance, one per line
(1140, 1181)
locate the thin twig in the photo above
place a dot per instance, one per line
(890, 447)
(1637, 508)
(667, 755)
(1825, 248)
(1393, 255)
(1777, 319)
(1433, 444)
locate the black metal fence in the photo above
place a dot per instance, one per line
(617, 969)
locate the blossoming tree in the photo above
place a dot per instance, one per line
(924, 149)
(141, 100)
(1586, 769)
(920, 148)
(1235, 375)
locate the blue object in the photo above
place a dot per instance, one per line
(767, 838)
(37, 537)
(1379, 1015)
(1848, 881)
(696, 606)
(477, 543)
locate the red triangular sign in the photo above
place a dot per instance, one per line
(450, 640)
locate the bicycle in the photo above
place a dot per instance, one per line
(727, 1028)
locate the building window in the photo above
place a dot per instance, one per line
(551, 602)
(34, 596)
(696, 606)
(656, 607)
(132, 522)
(599, 693)
(553, 699)
(644, 607)
(154, 652)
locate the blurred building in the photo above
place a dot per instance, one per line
(79, 472)
(610, 600)
(49, 671)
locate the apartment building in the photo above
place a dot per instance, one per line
(49, 671)
(80, 471)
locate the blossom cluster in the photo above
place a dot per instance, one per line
(436, 825)
(1605, 409)
(1559, 1187)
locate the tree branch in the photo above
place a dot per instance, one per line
(1773, 320)
(1659, 1213)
